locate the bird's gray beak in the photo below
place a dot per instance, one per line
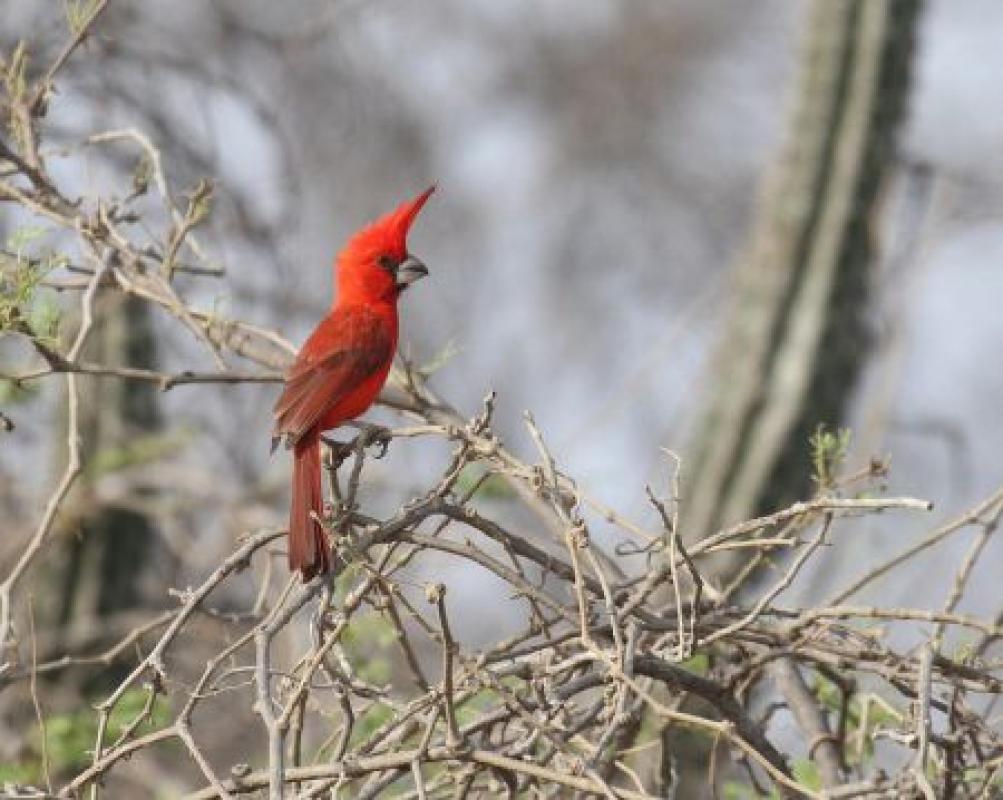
(409, 271)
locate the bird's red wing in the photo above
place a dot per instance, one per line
(348, 347)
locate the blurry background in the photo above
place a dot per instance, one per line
(600, 167)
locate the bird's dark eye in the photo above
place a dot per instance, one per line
(388, 263)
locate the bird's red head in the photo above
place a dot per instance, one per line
(375, 264)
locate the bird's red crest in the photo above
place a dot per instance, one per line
(388, 234)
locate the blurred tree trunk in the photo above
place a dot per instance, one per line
(104, 547)
(796, 339)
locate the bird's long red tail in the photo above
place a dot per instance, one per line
(308, 549)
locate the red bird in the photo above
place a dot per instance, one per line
(342, 367)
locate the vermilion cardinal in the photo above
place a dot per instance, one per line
(342, 367)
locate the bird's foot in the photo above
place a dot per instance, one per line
(368, 436)
(339, 450)
(377, 435)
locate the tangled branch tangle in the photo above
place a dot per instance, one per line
(619, 650)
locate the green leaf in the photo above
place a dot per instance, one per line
(12, 393)
(200, 202)
(23, 307)
(21, 772)
(698, 664)
(367, 640)
(43, 320)
(494, 487)
(828, 452)
(475, 705)
(14, 79)
(78, 12)
(733, 790)
(806, 773)
(139, 450)
(376, 715)
(70, 736)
